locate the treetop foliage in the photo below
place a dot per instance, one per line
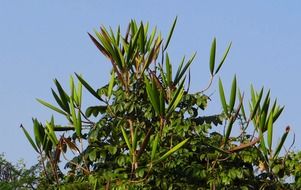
(148, 131)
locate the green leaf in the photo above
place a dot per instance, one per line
(176, 98)
(63, 96)
(38, 132)
(80, 92)
(175, 148)
(223, 59)
(151, 92)
(111, 84)
(270, 131)
(100, 47)
(154, 146)
(168, 70)
(181, 71)
(30, 139)
(75, 120)
(277, 113)
(170, 33)
(212, 56)
(52, 107)
(58, 101)
(242, 106)
(262, 144)
(256, 104)
(229, 129)
(222, 97)
(233, 94)
(88, 87)
(283, 138)
(126, 139)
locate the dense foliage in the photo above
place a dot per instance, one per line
(17, 176)
(148, 131)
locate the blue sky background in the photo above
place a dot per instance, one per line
(43, 40)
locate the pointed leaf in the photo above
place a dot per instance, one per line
(111, 84)
(126, 139)
(233, 94)
(270, 131)
(212, 56)
(223, 59)
(256, 104)
(175, 148)
(52, 107)
(30, 139)
(280, 145)
(222, 97)
(154, 146)
(170, 33)
(88, 87)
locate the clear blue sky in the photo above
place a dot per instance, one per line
(43, 40)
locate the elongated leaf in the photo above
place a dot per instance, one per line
(175, 148)
(242, 106)
(270, 131)
(142, 39)
(222, 97)
(80, 93)
(63, 96)
(151, 92)
(212, 56)
(52, 107)
(280, 145)
(88, 87)
(30, 139)
(277, 113)
(111, 84)
(229, 129)
(75, 120)
(216, 148)
(71, 145)
(72, 96)
(170, 34)
(38, 132)
(168, 70)
(176, 98)
(183, 71)
(177, 78)
(154, 146)
(223, 59)
(233, 94)
(256, 104)
(262, 144)
(126, 139)
(162, 104)
(135, 140)
(58, 101)
(100, 47)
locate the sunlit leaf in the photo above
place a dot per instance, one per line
(223, 59)
(212, 56)
(30, 139)
(233, 94)
(170, 34)
(52, 107)
(222, 97)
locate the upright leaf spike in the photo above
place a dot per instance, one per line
(223, 59)
(222, 97)
(212, 56)
(170, 33)
(233, 94)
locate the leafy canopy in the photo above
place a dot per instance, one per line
(148, 131)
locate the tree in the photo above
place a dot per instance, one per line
(148, 131)
(17, 176)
